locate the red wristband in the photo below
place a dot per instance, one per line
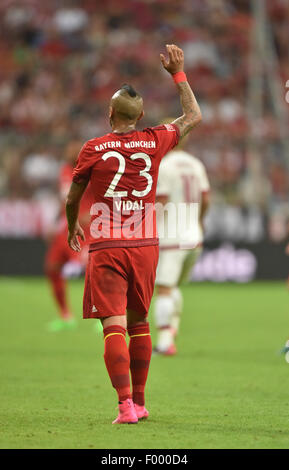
(179, 77)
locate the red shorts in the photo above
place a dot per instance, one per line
(60, 253)
(118, 279)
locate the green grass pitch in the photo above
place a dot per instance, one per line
(227, 387)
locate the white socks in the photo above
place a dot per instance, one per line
(167, 317)
(178, 303)
(164, 309)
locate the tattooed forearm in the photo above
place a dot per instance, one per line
(72, 204)
(191, 111)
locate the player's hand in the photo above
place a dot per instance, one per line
(73, 240)
(175, 63)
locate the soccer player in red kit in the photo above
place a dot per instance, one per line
(122, 168)
(59, 253)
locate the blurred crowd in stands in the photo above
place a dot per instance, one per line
(60, 62)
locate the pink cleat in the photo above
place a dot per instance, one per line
(141, 411)
(170, 351)
(127, 413)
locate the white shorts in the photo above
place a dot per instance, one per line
(175, 265)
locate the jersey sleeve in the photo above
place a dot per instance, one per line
(84, 164)
(167, 136)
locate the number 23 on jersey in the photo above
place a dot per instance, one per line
(111, 192)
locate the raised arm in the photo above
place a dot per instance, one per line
(191, 112)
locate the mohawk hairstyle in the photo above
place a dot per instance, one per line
(126, 103)
(129, 89)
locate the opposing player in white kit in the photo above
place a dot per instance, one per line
(182, 183)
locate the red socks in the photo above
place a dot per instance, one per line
(140, 350)
(117, 361)
(58, 285)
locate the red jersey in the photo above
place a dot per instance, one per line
(123, 172)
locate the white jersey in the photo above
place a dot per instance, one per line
(183, 179)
